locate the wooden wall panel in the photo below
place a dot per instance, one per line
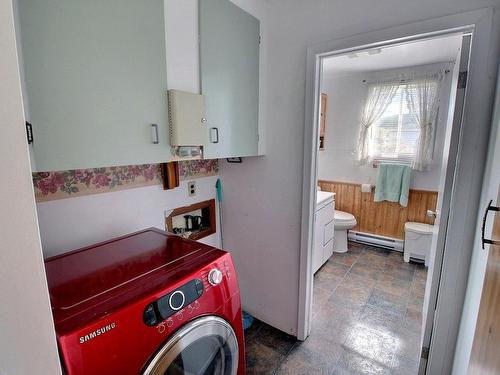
(383, 218)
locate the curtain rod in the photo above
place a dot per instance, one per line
(446, 71)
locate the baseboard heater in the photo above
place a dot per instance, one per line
(376, 240)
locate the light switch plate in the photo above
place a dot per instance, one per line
(191, 188)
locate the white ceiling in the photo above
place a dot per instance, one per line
(429, 51)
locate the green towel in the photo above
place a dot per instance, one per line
(393, 183)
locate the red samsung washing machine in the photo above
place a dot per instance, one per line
(148, 303)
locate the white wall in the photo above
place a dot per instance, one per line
(71, 223)
(27, 339)
(346, 96)
(263, 196)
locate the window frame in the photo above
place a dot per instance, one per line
(403, 158)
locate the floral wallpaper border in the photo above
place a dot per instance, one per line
(73, 183)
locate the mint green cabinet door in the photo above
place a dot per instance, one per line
(96, 81)
(229, 66)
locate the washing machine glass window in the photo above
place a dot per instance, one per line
(206, 346)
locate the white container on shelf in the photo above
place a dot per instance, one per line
(418, 239)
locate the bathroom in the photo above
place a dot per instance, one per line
(371, 267)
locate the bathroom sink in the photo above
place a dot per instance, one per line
(323, 197)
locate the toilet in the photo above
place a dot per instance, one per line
(342, 222)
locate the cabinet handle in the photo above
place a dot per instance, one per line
(214, 131)
(154, 134)
(485, 217)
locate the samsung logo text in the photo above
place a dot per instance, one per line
(97, 332)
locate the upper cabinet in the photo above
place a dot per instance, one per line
(229, 68)
(95, 79)
(96, 82)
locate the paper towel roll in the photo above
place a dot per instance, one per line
(366, 188)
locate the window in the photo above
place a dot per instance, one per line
(398, 121)
(395, 135)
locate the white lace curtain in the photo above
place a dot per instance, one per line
(422, 98)
(378, 99)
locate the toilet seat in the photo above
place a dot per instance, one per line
(344, 220)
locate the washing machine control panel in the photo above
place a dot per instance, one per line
(172, 302)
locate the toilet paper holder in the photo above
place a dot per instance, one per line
(366, 188)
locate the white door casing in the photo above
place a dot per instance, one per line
(448, 166)
(477, 116)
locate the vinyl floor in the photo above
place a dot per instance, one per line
(367, 314)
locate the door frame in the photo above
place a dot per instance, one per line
(468, 173)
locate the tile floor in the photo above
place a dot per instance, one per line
(366, 320)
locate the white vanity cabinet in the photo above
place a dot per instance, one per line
(323, 229)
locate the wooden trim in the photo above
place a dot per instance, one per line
(359, 184)
(382, 218)
(208, 213)
(337, 182)
(170, 175)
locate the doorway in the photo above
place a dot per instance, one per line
(452, 171)
(371, 104)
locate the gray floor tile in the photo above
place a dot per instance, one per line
(353, 363)
(404, 366)
(261, 359)
(381, 320)
(275, 339)
(366, 270)
(366, 320)
(389, 302)
(373, 345)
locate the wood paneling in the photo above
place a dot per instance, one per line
(382, 218)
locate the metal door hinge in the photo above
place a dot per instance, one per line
(425, 353)
(462, 80)
(29, 132)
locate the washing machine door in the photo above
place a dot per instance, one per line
(205, 346)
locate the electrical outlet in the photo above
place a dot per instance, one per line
(191, 188)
